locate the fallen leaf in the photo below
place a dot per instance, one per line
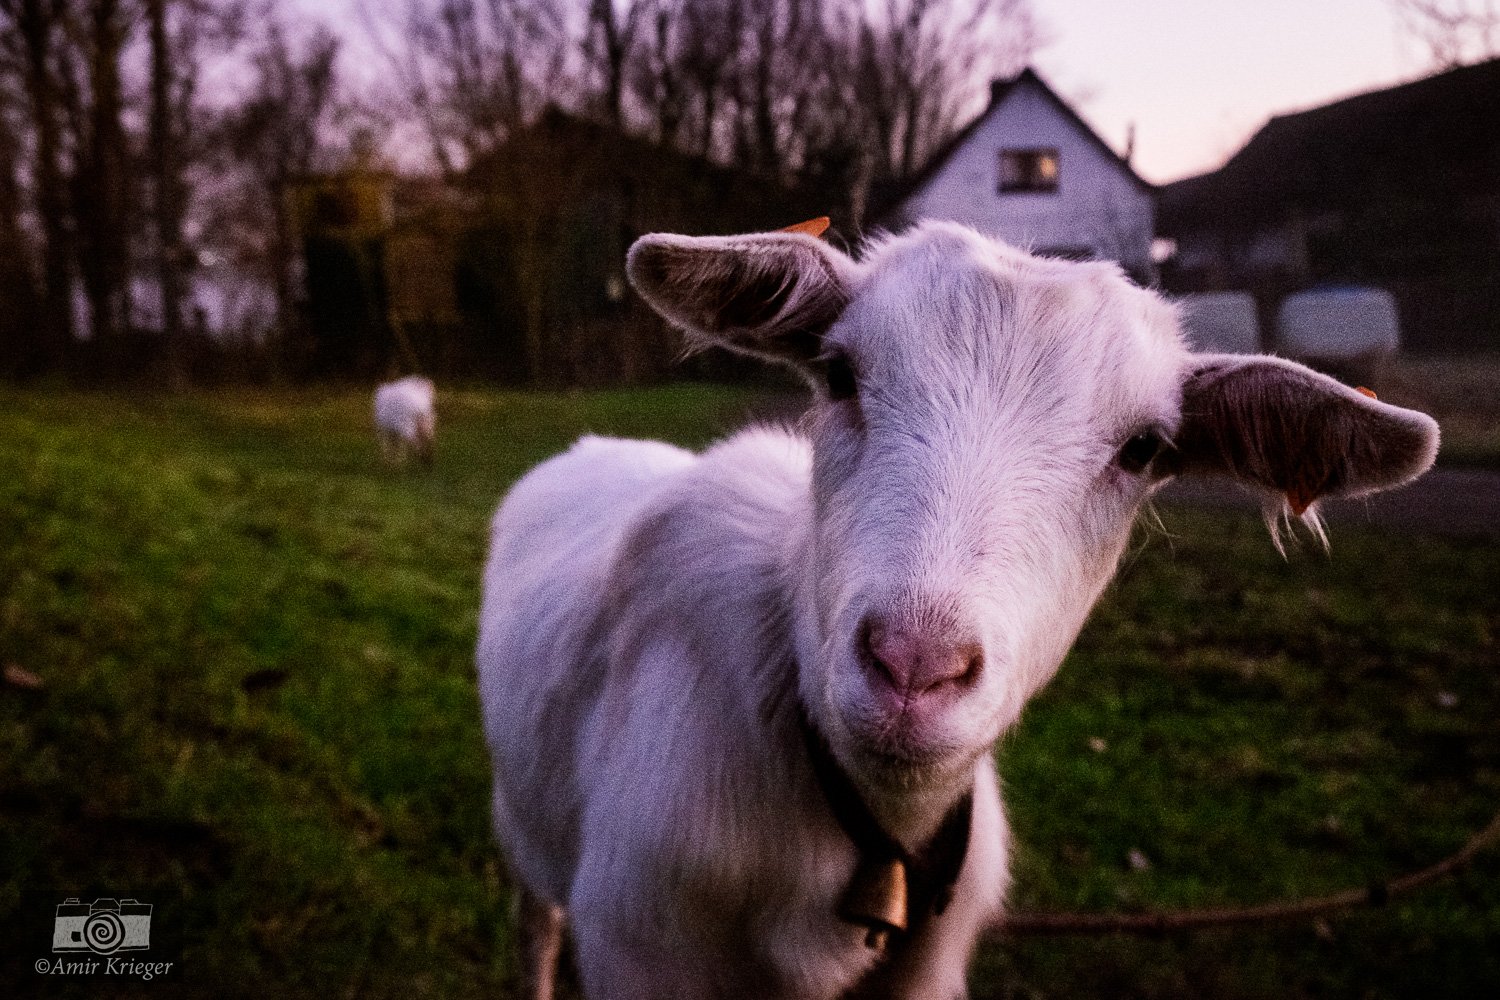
(19, 677)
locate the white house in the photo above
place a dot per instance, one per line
(1030, 171)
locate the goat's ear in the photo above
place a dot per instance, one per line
(1289, 431)
(767, 294)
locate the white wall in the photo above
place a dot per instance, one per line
(1097, 205)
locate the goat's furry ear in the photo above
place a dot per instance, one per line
(1294, 433)
(768, 294)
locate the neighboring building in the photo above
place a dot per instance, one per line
(1030, 171)
(561, 203)
(379, 252)
(1398, 189)
(515, 271)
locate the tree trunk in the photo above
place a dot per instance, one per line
(168, 206)
(287, 338)
(37, 20)
(104, 240)
(615, 45)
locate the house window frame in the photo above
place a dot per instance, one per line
(1031, 181)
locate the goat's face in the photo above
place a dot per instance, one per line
(988, 426)
(984, 442)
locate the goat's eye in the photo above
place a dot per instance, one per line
(839, 374)
(1135, 454)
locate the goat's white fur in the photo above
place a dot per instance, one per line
(405, 417)
(652, 618)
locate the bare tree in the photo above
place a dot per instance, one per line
(19, 285)
(613, 31)
(922, 66)
(706, 53)
(784, 42)
(1455, 32)
(30, 34)
(103, 177)
(166, 181)
(471, 72)
(788, 88)
(660, 76)
(183, 39)
(277, 134)
(684, 75)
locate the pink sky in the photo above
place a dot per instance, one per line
(1197, 77)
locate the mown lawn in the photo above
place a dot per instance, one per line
(258, 714)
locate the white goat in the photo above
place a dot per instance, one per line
(405, 420)
(742, 704)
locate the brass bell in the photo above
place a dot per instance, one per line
(876, 899)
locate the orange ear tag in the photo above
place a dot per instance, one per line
(1366, 392)
(812, 227)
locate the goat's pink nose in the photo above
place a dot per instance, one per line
(913, 662)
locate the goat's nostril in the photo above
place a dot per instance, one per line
(973, 660)
(974, 664)
(867, 645)
(913, 662)
(942, 665)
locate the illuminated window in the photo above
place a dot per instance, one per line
(1033, 170)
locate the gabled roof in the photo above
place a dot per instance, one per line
(1441, 133)
(558, 163)
(579, 141)
(896, 195)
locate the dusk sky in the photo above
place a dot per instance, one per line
(1196, 77)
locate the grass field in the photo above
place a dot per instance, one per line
(1462, 392)
(258, 714)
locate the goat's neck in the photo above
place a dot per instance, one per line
(909, 808)
(912, 810)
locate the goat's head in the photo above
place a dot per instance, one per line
(988, 425)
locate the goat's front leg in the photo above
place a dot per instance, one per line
(540, 925)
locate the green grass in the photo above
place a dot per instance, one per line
(1462, 392)
(259, 713)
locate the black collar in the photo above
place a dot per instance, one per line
(894, 891)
